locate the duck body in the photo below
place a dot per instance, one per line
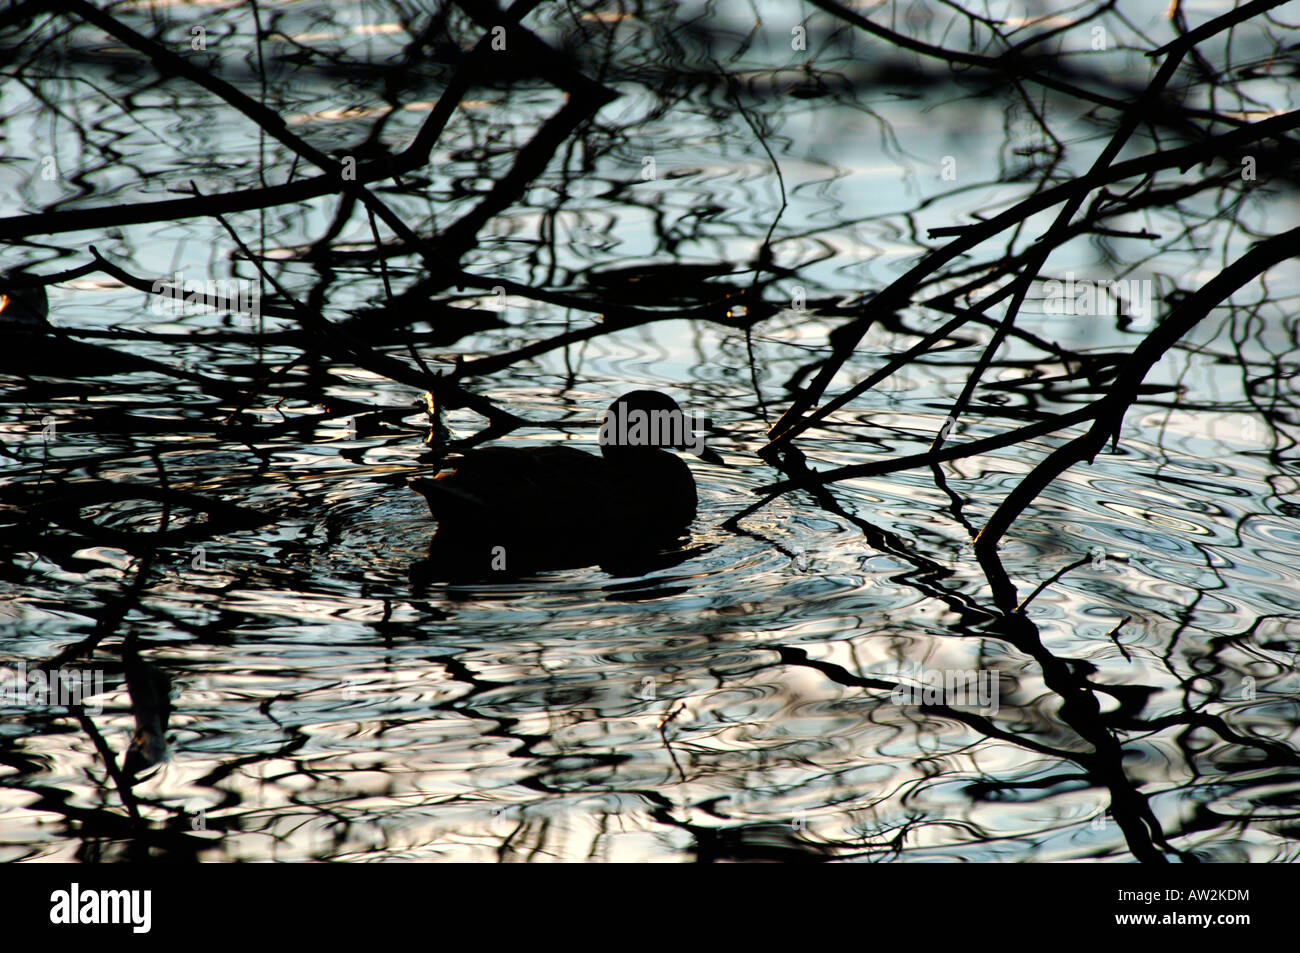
(512, 509)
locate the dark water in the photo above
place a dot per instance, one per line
(734, 704)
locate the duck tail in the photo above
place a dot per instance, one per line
(445, 499)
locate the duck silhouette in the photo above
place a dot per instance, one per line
(507, 511)
(26, 308)
(31, 345)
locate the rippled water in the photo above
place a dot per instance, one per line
(728, 705)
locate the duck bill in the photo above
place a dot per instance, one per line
(709, 455)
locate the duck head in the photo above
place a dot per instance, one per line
(643, 423)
